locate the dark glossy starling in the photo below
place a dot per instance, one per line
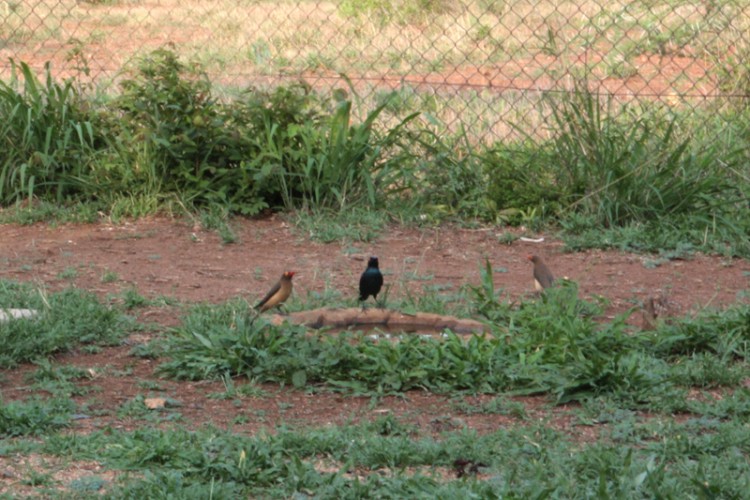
(371, 281)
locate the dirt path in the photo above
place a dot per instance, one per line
(171, 258)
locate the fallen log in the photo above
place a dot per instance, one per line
(393, 321)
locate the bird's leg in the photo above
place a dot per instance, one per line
(252, 315)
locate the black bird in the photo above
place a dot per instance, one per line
(371, 281)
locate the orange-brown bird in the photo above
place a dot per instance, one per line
(278, 294)
(543, 277)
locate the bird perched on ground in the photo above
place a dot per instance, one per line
(543, 277)
(656, 309)
(371, 281)
(277, 294)
(648, 314)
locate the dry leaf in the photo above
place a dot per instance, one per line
(155, 403)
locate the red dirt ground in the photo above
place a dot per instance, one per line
(172, 258)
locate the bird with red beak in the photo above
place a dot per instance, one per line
(277, 294)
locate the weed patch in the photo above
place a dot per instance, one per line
(551, 345)
(34, 416)
(659, 457)
(65, 319)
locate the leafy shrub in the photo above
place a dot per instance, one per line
(195, 142)
(445, 177)
(521, 182)
(287, 146)
(316, 159)
(47, 135)
(633, 170)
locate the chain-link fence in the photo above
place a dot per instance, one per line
(483, 64)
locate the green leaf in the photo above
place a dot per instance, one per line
(299, 379)
(203, 340)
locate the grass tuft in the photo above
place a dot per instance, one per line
(555, 344)
(64, 320)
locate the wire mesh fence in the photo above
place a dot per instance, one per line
(481, 64)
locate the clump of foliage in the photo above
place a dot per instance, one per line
(321, 160)
(62, 321)
(635, 178)
(288, 146)
(34, 416)
(194, 142)
(551, 345)
(521, 182)
(48, 135)
(636, 169)
(632, 179)
(170, 138)
(446, 177)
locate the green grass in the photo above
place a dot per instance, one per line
(356, 225)
(65, 320)
(217, 219)
(34, 416)
(49, 134)
(553, 345)
(628, 384)
(51, 213)
(633, 457)
(601, 173)
(109, 277)
(59, 380)
(69, 273)
(638, 184)
(498, 405)
(642, 177)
